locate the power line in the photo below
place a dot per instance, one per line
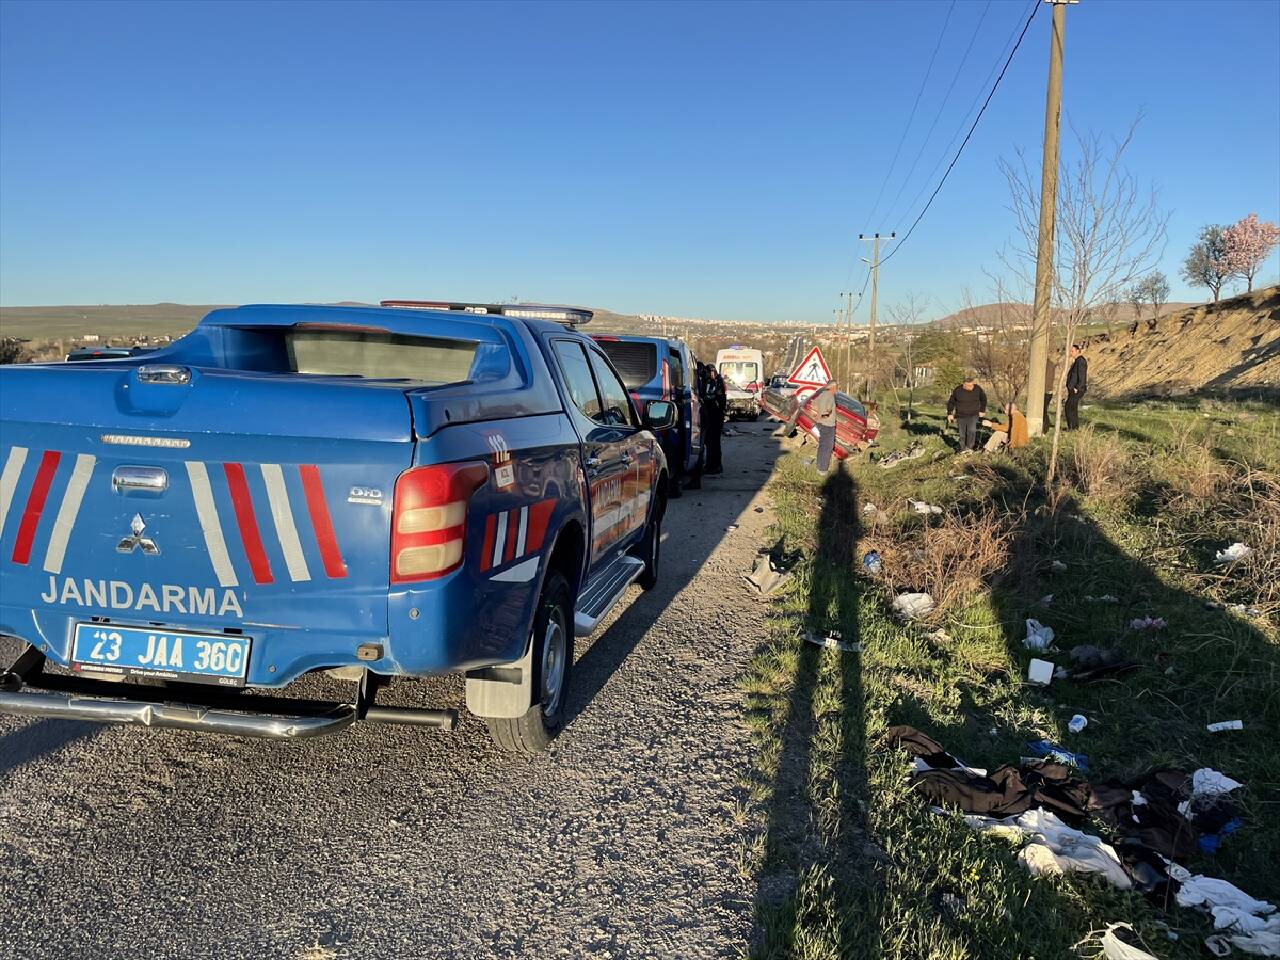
(938, 116)
(1034, 10)
(911, 117)
(960, 127)
(905, 130)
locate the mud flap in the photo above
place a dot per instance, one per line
(505, 691)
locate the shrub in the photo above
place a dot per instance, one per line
(1102, 466)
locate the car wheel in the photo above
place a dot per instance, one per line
(552, 639)
(650, 548)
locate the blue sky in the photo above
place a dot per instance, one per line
(697, 160)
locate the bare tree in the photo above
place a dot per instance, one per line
(1155, 288)
(1001, 348)
(1110, 230)
(1136, 297)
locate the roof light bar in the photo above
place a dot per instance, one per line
(525, 311)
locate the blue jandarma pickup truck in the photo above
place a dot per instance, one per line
(405, 490)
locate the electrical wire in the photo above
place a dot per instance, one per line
(937, 116)
(1004, 49)
(1035, 8)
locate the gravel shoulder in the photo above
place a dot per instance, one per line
(391, 842)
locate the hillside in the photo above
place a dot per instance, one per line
(1228, 347)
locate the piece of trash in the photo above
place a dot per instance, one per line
(759, 509)
(770, 571)
(1105, 598)
(1149, 624)
(871, 562)
(832, 640)
(913, 606)
(1218, 945)
(1078, 723)
(1057, 566)
(1237, 551)
(1222, 725)
(1244, 611)
(1048, 750)
(870, 508)
(1046, 600)
(1113, 948)
(1207, 782)
(1094, 663)
(919, 506)
(1040, 672)
(1039, 637)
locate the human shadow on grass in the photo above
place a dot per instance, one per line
(815, 829)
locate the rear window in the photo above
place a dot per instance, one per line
(380, 356)
(636, 362)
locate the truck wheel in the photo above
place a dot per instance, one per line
(675, 486)
(695, 476)
(553, 660)
(650, 547)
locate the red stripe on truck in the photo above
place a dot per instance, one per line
(35, 506)
(321, 522)
(248, 523)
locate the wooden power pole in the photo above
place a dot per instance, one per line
(1041, 314)
(875, 285)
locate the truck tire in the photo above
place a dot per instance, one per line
(650, 548)
(695, 475)
(552, 639)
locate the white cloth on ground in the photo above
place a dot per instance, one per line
(1053, 847)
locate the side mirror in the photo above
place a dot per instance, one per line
(659, 414)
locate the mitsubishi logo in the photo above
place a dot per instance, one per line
(136, 539)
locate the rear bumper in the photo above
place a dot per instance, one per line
(27, 691)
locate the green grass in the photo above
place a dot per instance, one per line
(848, 862)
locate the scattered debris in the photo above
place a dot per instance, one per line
(919, 506)
(1222, 725)
(1113, 948)
(1244, 611)
(1105, 598)
(1149, 624)
(833, 640)
(1040, 672)
(898, 456)
(872, 562)
(1055, 848)
(1237, 551)
(1048, 750)
(1093, 663)
(1039, 637)
(1207, 782)
(771, 570)
(913, 606)
(1078, 723)
(1046, 600)
(1057, 566)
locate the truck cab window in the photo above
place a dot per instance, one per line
(617, 404)
(577, 378)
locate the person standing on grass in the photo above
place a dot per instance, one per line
(1077, 384)
(1013, 433)
(821, 407)
(965, 405)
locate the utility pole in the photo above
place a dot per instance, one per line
(1041, 314)
(875, 286)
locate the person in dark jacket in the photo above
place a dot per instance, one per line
(1077, 384)
(966, 404)
(711, 393)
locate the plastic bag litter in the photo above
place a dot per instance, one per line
(1244, 611)
(919, 506)
(1039, 637)
(1207, 782)
(1237, 551)
(872, 562)
(913, 606)
(1105, 598)
(832, 640)
(1113, 948)
(1046, 600)
(1078, 723)
(1057, 566)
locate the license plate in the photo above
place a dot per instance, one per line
(220, 659)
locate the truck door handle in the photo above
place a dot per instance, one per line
(146, 479)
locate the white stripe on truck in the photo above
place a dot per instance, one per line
(9, 480)
(208, 514)
(281, 513)
(66, 518)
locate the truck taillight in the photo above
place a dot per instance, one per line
(429, 519)
(666, 380)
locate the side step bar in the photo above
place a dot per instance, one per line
(603, 593)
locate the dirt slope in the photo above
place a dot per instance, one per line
(1232, 346)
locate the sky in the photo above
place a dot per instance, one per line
(698, 160)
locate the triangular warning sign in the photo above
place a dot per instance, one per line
(813, 370)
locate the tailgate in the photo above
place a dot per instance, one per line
(232, 501)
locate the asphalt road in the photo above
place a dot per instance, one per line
(397, 842)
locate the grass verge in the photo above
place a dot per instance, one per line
(846, 861)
